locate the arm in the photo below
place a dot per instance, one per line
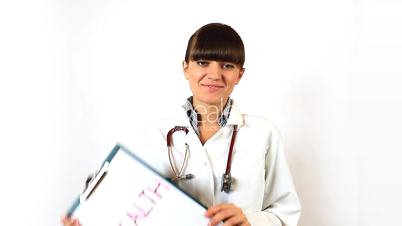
(281, 206)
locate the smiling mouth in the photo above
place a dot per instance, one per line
(212, 86)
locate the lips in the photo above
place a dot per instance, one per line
(212, 86)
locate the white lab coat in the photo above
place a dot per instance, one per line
(262, 186)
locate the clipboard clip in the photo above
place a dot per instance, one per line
(94, 182)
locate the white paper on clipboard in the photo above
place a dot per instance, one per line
(128, 192)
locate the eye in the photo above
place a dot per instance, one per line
(228, 66)
(202, 63)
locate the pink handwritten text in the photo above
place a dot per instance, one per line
(146, 200)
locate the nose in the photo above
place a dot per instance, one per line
(215, 71)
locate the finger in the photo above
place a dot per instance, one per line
(77, 222)
(239, 219)
(68, 221)
(214, 209)
(222, 215)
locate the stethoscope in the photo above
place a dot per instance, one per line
(227, 179)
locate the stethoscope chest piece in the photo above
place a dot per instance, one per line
(226, 182)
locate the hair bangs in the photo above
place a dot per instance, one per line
(218, 53)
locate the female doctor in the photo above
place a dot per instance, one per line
(233, 163)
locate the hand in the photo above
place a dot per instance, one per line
(68, 221)
(229, 214)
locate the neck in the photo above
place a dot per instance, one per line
(209, 113)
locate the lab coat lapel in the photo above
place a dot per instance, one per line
(235, 117)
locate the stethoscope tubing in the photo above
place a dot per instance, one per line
(178, 174)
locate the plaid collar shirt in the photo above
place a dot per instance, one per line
(194, 117)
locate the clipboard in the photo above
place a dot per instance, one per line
(127, 191)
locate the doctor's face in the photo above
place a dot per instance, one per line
(212, 82)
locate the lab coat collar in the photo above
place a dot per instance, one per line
(182, 118)
(235, 117)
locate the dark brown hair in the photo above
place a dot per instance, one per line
(216, 41)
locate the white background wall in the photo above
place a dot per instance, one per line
(78, 76)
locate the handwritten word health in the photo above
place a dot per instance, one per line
(145, 202)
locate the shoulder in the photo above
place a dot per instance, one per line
(259, 129)
(164, 124)
(249, 121)
(258, 122)
(167, 122)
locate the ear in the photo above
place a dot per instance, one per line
(185, 69)
(240, 75)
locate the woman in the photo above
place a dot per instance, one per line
(235, 163)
